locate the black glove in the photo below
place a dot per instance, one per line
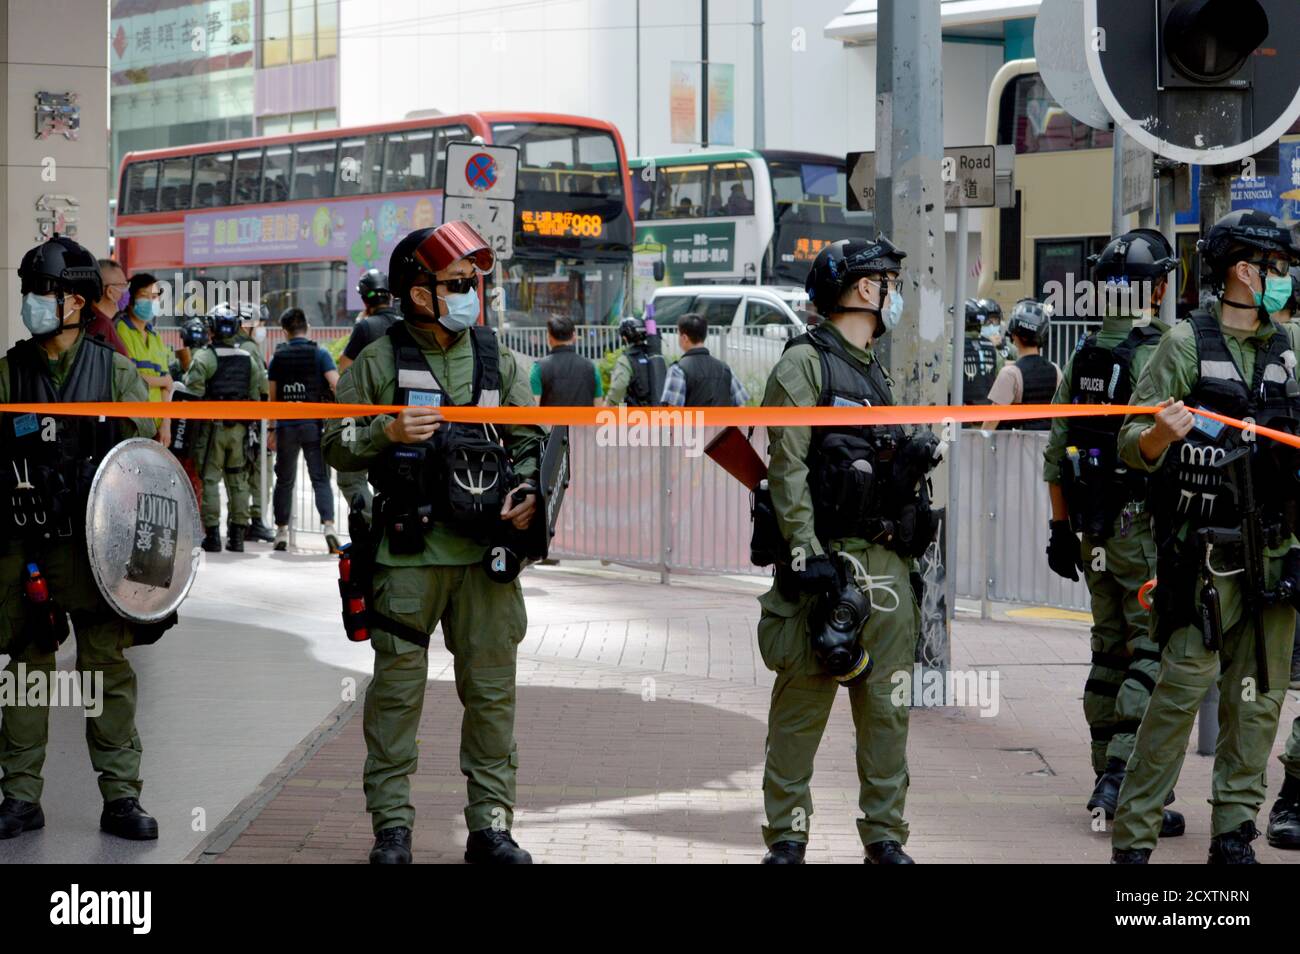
(818, 576)
(1063, 550)
(1288, 586)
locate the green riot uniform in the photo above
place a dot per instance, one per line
(637, 378)
(1290, 756)
(444, 583)
(253, 473)
(804, 692)
(224, 458)
(1248, 717)
(101, 634)
(1125, 657)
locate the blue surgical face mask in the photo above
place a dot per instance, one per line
(991, 332)
(143, 308)
(40, 315)
(462, 311)
(1277, 292)
(892, 315)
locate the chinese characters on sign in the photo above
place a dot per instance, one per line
(56, 213)
(806, 249)
(57, 113)
(561, 224)
(153, 551)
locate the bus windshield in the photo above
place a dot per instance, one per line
(557, 158)
(809, 210)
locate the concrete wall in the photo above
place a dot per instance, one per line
(37, 57)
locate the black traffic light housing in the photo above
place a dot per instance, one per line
(1209, 44)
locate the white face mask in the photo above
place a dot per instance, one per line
(259, 335)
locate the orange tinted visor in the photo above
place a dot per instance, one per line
(450, 242)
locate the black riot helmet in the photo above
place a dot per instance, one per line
(59, 266)
(194, 334)
(991, 309)
(1134, 256)
(372, 286)
(223, 321)
(974, 314)
(1030, 320)
(1244, 235)
(632, 330)
(841, 263)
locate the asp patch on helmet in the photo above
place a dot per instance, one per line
(60, 264)
(845, 261)
(1139, 254)
(1243, 235)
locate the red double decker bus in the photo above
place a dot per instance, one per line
(305, 214)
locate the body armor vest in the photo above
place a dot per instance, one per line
(568, 379)
(298, 373)
(708, 380)
(1039, 387)
(981, 367)
(646, 388)
(46, 483)
(234, 373)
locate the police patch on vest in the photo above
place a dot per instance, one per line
(153, 550)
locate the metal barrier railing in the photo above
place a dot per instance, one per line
(658, 508)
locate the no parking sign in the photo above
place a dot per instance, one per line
(481, 172)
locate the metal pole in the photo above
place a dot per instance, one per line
(910, 210)
(261, 465)
(989, 529)
(704, 72)
(760, 118)
(665, 516)
(1117, 216)
(638, 77)
(958, 386)
(1168, 225)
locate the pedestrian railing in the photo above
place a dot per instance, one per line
(663, 509)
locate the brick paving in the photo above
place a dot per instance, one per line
(641, 724)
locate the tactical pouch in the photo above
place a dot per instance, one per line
(766, 545)
(476, 474)
(843, 474)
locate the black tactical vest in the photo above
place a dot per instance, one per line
(44, 484)
(568, 379)
(1038, 376)
(646, 389)
(981, 367)
(234, 373)
(297, 373)
(708, 380)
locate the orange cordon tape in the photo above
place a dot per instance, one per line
(613, 416)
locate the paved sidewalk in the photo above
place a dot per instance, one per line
(641, 726)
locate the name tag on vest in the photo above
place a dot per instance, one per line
(845, 402)
(1210, 428)
(425, 398)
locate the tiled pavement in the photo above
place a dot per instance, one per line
(641, 725)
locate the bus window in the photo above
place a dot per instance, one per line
(642, 195)
(406, 160)
(684, 191)
(212, 180)
(174, 188)
(807, 191)
(731, 189)
(313, 170)
(442, 136)
(1031, 119)
(141, 187)
(275, 173)
(248, 176)
(554, 158)
(360, 162)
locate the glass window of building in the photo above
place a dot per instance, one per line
(212, 180)
(406, 160)
(731, 189)
(327, 29)
(248, 176)
(313, 170)
(275, 173)
(275, 32)
(276, 125)
(360, 162)
(142, 187)
(174, 189)
(302, 14)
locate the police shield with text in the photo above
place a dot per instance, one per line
(447, 495)
(1228, 567)
(843, 516)
(47, 467)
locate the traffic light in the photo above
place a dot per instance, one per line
(1208, 43)
(1205, 82)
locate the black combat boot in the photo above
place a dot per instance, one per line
(887, 853)
(1233, 848)
(1130, 856)
(18, 816)
(493, 847)
(1105, 794)
(1172, 824)
(212, 539)
(259, 532)
(1284, 819)
(392, 847)
(235, 541)
(125, 818)
(785, 853)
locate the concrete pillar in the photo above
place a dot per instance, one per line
(52, 46)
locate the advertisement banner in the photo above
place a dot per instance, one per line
(683, 84)
(688, 248)
(722, 104)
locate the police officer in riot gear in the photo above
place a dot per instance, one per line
(223, 371)
(44, 488)
(1031, 378)
(640, 372)
(1100, 523)
(982, 361)
(851, 514)
(372, 324)
(435, 533)
(994, 330)
(1220, 609)
(252, 338)
(194, 335)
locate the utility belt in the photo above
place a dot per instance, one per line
(1098, 490)
(459, 479)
